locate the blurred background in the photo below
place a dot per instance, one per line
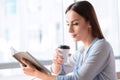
(38, 26)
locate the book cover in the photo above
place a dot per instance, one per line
(26, 55)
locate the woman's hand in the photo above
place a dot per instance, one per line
(58, 60)
(28, 67)
(31, 70)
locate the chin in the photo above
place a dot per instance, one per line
(75, 39)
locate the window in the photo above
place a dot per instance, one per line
(31, 26)
(35, 26)
(38, 26)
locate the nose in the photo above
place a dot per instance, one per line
(70, 29)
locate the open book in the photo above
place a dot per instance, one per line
(19, 55)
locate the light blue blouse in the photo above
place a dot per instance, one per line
(99, 63)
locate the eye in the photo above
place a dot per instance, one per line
(67, 24)
(76, 23)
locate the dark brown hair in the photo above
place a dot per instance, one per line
(86, 10)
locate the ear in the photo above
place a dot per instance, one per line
(89, 25)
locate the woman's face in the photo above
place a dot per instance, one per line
(77, 26)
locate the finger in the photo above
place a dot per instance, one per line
(58, 58)
(58, 52)
(22, 65)
(60, 61)
(25, 62)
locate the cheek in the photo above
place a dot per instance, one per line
(79, 30)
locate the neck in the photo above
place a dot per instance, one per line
(87, 42)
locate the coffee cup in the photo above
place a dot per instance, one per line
(64, 49)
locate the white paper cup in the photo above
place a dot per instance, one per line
(64, 49)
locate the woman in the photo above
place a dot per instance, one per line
(93, 61)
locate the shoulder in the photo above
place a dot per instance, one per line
(101, 46)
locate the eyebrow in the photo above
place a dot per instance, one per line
(73, 20)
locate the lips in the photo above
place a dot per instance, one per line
(74, 35)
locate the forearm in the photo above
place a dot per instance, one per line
(55, 69)
(44, 76)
